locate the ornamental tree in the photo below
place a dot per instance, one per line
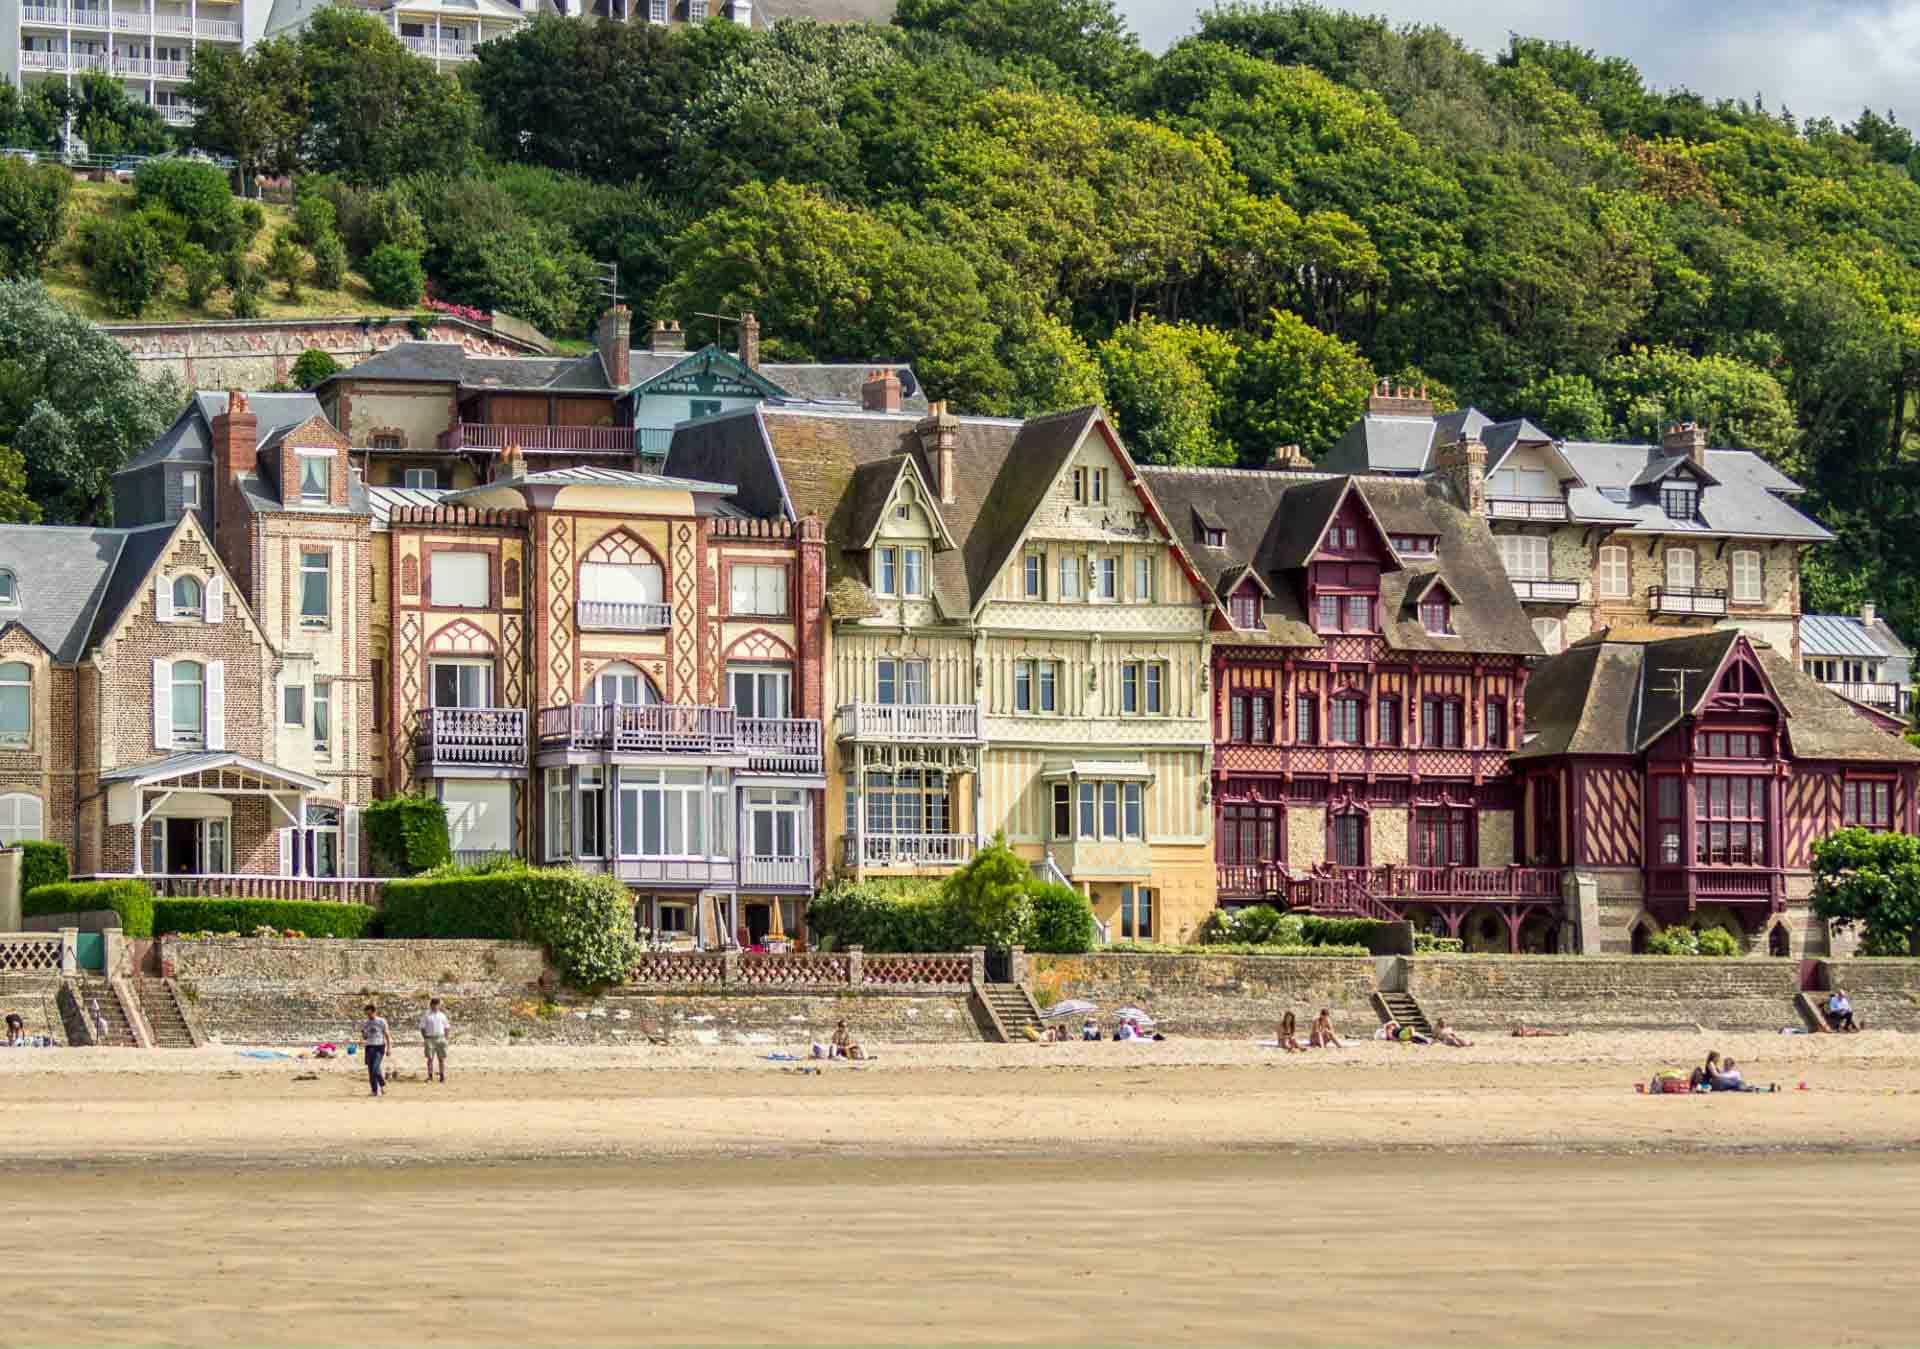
(1871, 880)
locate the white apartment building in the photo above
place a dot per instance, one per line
(146, 44)
(442, 31)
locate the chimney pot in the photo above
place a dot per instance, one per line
(1868, 613)
(750, 341)
(881, 392)
(614, 337)
(939, 433)
(1688, 438)
(666, 336)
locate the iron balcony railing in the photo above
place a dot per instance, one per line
(472, 737)
(631, 728)
(623, 616)
(1686, 600)
(938, 722)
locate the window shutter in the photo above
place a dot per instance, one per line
(162, 704)
(162, 598)
(285, 836)
(350, 841)
(216, 718)
(216, 598)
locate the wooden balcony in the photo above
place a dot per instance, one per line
(1717, 885)
(1546, 592)
(1687, 600)
(776, 873)
(630, 728)
(1546, 510)
(1896, 699)
(1329, 886)
(1364, 760)
(931, 722)
(613, 616)
(455, 738)
(1251, 880)
(536, 439)
(782, 745)
(909, 850)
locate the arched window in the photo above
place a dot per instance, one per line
(622, 683)
(188, 595)
(19, 817)
(16, 703)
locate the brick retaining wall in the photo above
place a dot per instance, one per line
(1562, 992)
(1885, 992)
(1215, 997)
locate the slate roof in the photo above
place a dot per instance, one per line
(1273, 520)
(61, 576)
(383, 501)
(1847, 635)
(190, 439)
(1398, 443)
(1611, 697)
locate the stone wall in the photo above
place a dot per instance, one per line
(1885, 993)
(1560, 992)
(791, 1021)
(1225, 997)
(36, 998)
(253, 353)
(329, 962)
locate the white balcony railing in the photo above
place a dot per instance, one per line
(181, 24)
(1686, 600)
(910, 721)
(1526, 508)
(1547, 592)
(782, 744)
(225, 29)
(636, 728)
(87, 18)
(777, 873)
(610, 616)
(55, 15)
(473, 737)
(37, 60)
(912, 850)
(1891, 697)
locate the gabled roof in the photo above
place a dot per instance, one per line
(1232, 578)
(131, 573)
(1603, 696)
(202, 761)
(189, 440)
(1660, 467)
(1742, 497)
(61, 575)
(1403, 443)
(709, 359)
(1275, 521)
(873, 487)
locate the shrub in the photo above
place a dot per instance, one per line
(394, 275)
(878, 915)
(313, 366)
(985, 900)
(128, 898)
(245, 285)
(1058, 921)
(202, 273)
(1426, 944)
(33, 214)
(128, 263)
(1255, 925)
(312, 918)
(167, 226)
(286, 264)
(198, 193)
(1152, 948)
(407, 834)
(1717, 941)
(314, 219)
(42, 863)
(1674, 941)
(253, 219)
(329, 262)
(1339, 931)
(585, 921)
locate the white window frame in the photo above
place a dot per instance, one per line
(757, 588)
(1674, 579)
(913, 572)
(1755, 591)
(197, 737)
(190, 488)
(15, 826)
(1033, 576)
(421, 479)
(1070, 578)
(603, 582)
(761, 680)
(775, 808)
(886, 570)
(1527, 557)
(198, 607)
(1106, 578)
(9, 589)
(621, 675)
(1143, 587)
(321, 714)
(1554, 644)
(482, 668)
(293, 705)
(1614, 570)
(324, 458)
(692, 813)
(23, 682)
(325, 571)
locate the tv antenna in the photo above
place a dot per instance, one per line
(719, 335)
(610, 283)
(1679, 688)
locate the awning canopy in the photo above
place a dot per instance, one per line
(1106, 770)
(213, 771)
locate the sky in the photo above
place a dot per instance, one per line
(1815, 57)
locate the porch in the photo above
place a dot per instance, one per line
(1393, 892)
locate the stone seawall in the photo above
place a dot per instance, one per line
(1885, 992)
(1592, 992)
(253, 353)
(334, 962)
(1219, 997)
(791, 1021)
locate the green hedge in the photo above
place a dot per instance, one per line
(993, 901)
(130, 899)
(408, 834)
(314, 918)
(1339, 931)
(584, 920)
(42, 864)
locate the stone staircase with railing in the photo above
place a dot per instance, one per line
(166, 1015)
(1010, 1010)
(1403, 1008)
(118, 1033)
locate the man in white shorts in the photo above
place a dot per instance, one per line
(434, 1030)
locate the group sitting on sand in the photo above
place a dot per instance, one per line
(1719, 1074)
(1443, 1034)
(1319, 1036)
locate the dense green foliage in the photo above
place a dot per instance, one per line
(94, 111)
(130, 899)
(126, 261)
(406, 834)
(308, 917)
(313, 366)
(199, 194)
(993, 901)
(1872, 882)
(33, 214)
(42, 863)
(585, 921)
(394, 275)
(1262, 925)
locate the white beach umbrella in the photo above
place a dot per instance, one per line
(1060, 1011)
(1133, 1014)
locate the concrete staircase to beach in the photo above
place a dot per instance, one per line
(1812, 1010)
(166, 1018)
(119, 1026)
(1010, 1010)
(1401, 1007)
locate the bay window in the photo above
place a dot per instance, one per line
(672, 812)
(910, 802)
(1730, 821)
(559, 815)
(776, 823)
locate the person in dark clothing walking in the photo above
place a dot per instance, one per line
(375, 1036)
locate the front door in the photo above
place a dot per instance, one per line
(183, 847)
(759, 923)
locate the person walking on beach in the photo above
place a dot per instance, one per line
(434, 1030)
(375, 1036)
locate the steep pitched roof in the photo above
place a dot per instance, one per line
(1848, 635)
(61, 575)
(189, 440)
(1026, 470)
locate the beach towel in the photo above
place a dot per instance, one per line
(265, 1054)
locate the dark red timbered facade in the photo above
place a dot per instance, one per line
(1366, 698)
(1685, 781)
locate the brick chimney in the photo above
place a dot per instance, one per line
(750, 341)
(1389, 400)
(1689, 439)
(1289, 458)
(236, 452)
(939, 433)
(881, 392)
(614, 337)
(236, 438)
(513, 462)
(668, 335)
(1462, 466)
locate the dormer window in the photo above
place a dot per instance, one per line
(316, 476)
(1244, 608)
(1216, 538)
(900, 571)
(9, 589)
(1414, 545)
(1436, 615)
(1344, 613)
(1679, 499)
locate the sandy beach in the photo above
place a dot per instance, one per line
(1065, 1194)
